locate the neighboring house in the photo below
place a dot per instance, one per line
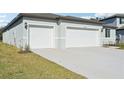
(109, 34)
(46, 30)
(118, 21)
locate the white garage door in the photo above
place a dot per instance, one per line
(41, 36)
(79, 37)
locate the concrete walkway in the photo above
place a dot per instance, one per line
(92, 62)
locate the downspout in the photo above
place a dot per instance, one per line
(27, 46)
(28, 38)
(102, 39)
(61, 34)
(58, 33)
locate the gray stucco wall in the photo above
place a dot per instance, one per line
(83, 25)
(39, 21)
(60, 29)
(14, 34)
(17, 34)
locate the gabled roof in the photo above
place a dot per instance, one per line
(50, 16)
(55, 16)
(113, 16)
(40, 15)
(80, 19)
(35, 15)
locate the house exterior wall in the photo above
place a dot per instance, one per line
(37, 21)
(66, 24)
(116, 34)
(120, 35)
(14, 35)
(18, 35)
(111, 39)
(60, 36)
(60, 29)
(112, 21)
(118, 23)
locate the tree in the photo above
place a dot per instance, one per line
(1, 33)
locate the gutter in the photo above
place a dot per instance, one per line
(53, 17)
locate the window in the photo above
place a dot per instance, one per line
(121, 20)
(107, 32)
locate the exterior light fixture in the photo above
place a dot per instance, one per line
(26, 25)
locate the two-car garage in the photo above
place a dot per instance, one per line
(43, 36)
(52, 31)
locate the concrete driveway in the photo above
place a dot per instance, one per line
(92, 62)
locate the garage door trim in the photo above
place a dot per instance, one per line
(81, 38)
(81, 28)
(40, 26)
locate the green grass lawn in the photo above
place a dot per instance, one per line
(121, 46)
(15, 65)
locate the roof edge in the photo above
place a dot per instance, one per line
(113, 16)
(13, 21)
(51, 16)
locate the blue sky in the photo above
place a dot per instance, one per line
(79, 14)
(5, 18)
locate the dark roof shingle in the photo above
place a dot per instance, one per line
(113, 16)
(51, 16)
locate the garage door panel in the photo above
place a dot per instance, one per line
(41, 37)
(42, 26)
(81, 38)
